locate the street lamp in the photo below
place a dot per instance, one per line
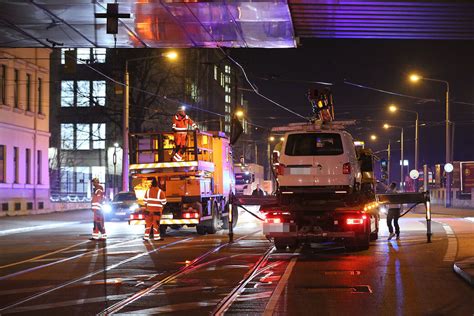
(393, 108)
(373, 137)
(387, 126)
(126, 110)
(416, 78)
(239, 113)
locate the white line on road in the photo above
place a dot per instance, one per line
(272, 303)
(42, 256)
(34, 228)
(469, 219)
(452, 250)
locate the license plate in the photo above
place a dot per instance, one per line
(300, 171)
(167, 216)
(120, 213)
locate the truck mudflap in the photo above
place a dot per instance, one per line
(166, 219)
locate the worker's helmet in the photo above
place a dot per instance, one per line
(181, 108)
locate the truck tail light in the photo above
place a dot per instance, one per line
(273, 220)
(356, 221)
(346, 168)
(191, 215)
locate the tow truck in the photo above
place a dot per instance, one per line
(198, 189)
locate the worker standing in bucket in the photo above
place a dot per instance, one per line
(155, 200)
(181, 124)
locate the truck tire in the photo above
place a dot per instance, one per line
(282, 243)
(359, 242)
(213, 225)
(201, 230)
(235, 218)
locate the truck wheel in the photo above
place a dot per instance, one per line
(282, 243)
(201, 230)
(214, 222)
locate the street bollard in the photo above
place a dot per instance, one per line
(428, 220)
(231, 226)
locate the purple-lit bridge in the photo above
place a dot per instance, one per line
(269, 24)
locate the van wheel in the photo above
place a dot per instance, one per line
(282, 243)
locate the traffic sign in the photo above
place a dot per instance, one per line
(414, 174)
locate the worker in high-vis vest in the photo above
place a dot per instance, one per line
(98, 231)
(181, 124)
(155, 200)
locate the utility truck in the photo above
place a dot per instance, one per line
(247, 176)
(198, 189)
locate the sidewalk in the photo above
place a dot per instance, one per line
(20, 224)
(441, 210)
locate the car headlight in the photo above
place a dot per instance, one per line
(134, 207)
(107, 208)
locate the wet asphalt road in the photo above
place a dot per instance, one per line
(58, 270)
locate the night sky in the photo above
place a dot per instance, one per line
(382, 64)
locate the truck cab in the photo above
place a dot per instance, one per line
(247, 176)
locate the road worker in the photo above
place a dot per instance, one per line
(155, 200)
(98, 231)
(181, 124)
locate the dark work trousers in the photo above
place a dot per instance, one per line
(393, 214)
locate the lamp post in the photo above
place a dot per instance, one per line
(416, 78)
(394, 109)
(387, 126)
(126, 111)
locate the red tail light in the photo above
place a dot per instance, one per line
(346, 168)
(274, 220)
(356, 221)
(191, 215)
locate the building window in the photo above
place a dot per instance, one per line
(84, 55)
(86, 93)
(227, 98)
(39, 162)
(216, 71)
(83, 136)
(16, 89)
(227, 79)
(40, 96)
(28, 92)
(227, 69)
(98, 136)
(2, 164)
(227, 88)
(99, 55)
(28, 165)
(227, 118)
(3, 84)
(16, 169)
(227, 108)
(222, 79)
(67, 93)
(227, 128)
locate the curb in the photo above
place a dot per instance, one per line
(465, 269)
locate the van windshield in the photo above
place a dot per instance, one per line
(314, 144)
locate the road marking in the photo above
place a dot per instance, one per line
(469, 219)
(33, 228)
(452, 250)
(42, 256)
(272, 303)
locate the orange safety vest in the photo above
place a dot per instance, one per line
(97, 198)
(181, 123)
(155, 199)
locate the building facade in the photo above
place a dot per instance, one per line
(24, 130)
(87, 105)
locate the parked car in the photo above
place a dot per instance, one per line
(123, 204)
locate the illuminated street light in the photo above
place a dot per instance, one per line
(448, 153)
(392, 108)
(239, 113)
(386, 126)
(271, 138)
(282, 139)
(415, 78)
(373, 137)
(170, 55)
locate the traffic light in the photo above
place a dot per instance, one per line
(384, 168)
